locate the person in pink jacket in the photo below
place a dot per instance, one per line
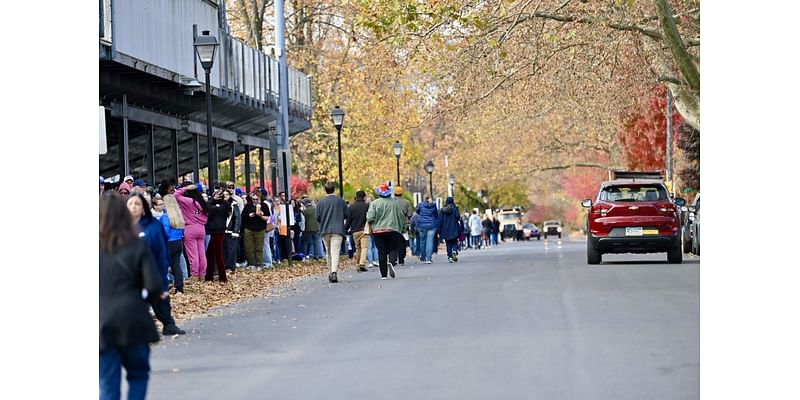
(195, 214)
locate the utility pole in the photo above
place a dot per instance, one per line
(283, 101)
(669, 141)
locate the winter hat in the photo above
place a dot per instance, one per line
(139, 182)
(398, 191)
(238, 192)
(200, 187)
(384, 190)
(264, 192)
(124, 186)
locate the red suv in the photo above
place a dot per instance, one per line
(633, 214)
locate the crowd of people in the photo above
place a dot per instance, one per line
(155, 239)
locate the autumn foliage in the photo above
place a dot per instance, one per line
(642, 134)
(297, 185)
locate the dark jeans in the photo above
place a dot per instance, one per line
(398, 255)
(175, 248)
(136, 360)
(297, 240)
(163, 310)
(230, 251)
(216, 257)
(285, 247)
(452, 247)
(386, 242)
(311, 244)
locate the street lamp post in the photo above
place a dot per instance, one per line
(205, 46)
(338, 119)
(398, 149)
(429, 168)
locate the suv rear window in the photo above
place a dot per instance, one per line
(644, 192)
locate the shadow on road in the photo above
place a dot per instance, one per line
(647, 262)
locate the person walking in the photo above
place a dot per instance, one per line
(450, 228)
(475, 228)
(398, 256)
(426, 226)
(332, 212)
(153, 233)
(174, 225)
(195, 214)
(387, 220)
(127, 271)
(487, 230)
(254, 218)
(356, 225)
(496, 230)
(311, 232)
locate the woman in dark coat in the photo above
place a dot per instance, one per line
(232, 228)
(127, 272)
(218, 210)
(152, 232)
(449, 228)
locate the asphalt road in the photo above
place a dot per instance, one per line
(519, 321)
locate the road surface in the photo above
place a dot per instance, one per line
(524, 320)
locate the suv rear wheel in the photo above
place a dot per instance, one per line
(675, 255)
(593, 256)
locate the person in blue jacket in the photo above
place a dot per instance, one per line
(450, 228)
(152, 232)
(426, 228)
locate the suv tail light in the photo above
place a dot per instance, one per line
(667, 208)
(600, 210)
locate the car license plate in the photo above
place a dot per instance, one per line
(633, 231)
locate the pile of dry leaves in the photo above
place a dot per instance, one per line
(199, 298)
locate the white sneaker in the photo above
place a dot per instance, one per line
(383, 278)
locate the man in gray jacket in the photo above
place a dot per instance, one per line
(331, 214)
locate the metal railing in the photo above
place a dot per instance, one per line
(105, 20)
(241, 68)
(253, 73)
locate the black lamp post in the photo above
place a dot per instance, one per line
(205, 46)
(338, 119)
(398, 148)
(429, 168)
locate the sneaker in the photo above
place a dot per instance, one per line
(332, 277)
(362, 269)
(383, 278)
(172, 330)
(455, 257)
(391, 271)
(450, 260)
(428, 262)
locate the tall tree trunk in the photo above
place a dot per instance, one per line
(687, 98)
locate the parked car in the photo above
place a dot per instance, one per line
(552, 228)
(633, 214)
(529, 231)
(695, 209)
